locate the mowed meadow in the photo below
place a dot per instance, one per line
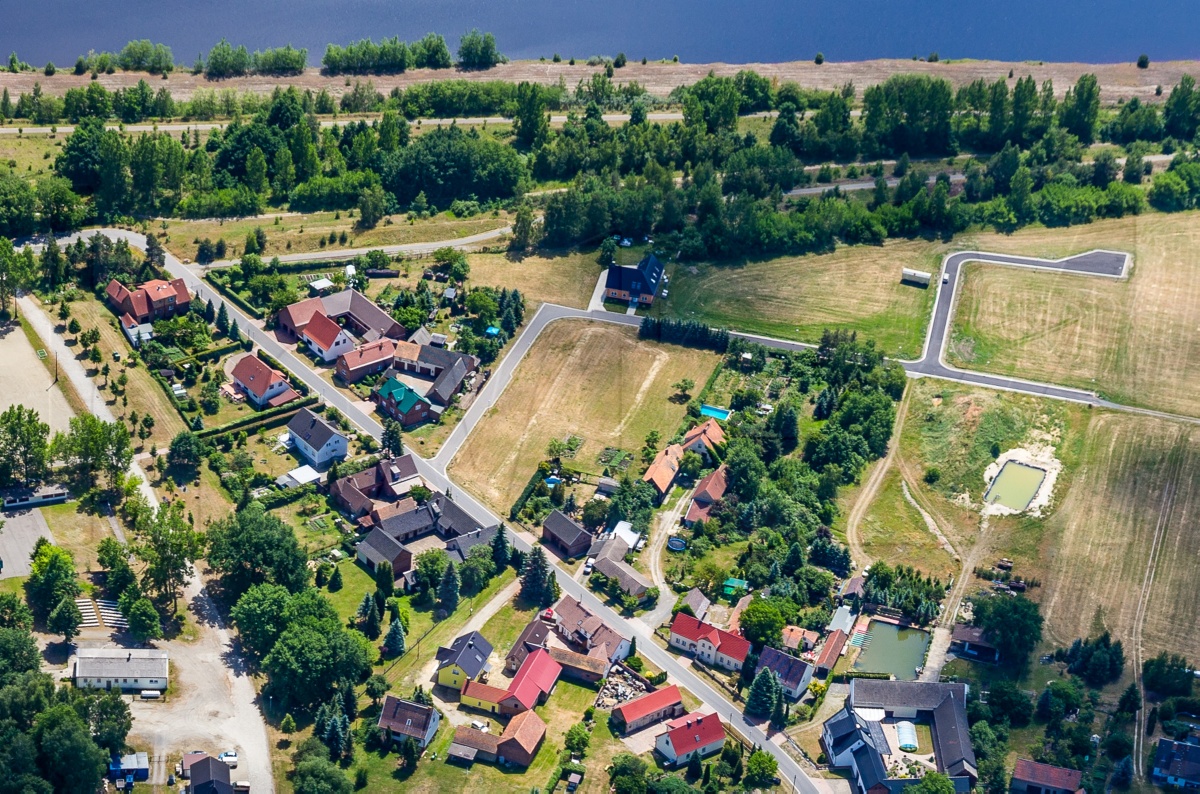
(855, 288)
(593, 380)
(1136, 341)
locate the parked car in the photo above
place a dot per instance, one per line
(587, 566)
(230, 758)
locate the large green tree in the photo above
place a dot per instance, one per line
(24, 448)
(1013, 625)
(168, 547)
(51, 578)
(253, 546)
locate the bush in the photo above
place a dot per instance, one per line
(1143, 61)
(820, 59)
(932, 475)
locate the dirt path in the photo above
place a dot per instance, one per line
(928, 519)
(667, 523)
(1164, 519)
(867, 496)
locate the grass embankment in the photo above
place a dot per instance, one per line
(592, 380)
(894, 531)
(143, 394)
(289, 233)
(1133, 340)
(797, 297)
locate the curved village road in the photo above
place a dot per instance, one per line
(1101, 263)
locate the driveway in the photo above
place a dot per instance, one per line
(21, 530)
(214, 707)
(668, 525)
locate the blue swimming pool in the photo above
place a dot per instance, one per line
(552, 481)
(716, 413)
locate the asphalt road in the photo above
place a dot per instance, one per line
(1097, 263)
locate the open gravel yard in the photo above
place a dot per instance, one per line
(26, 381)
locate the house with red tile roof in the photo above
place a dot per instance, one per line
(1030, 777)
(261, 383)
(693, 734)
(648, 709)
(708, 643)
(704, 439)
(153, 300)
(482, 696)
(709, 491)
(798, 639)
(294, 318)
(532, 684)
(831, 652)
(326, 338)
(369, 359)
(664, 469)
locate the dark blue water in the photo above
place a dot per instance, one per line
(734, 31)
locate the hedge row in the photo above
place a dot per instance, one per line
(261, 417)
(215, 353)
(300, 386)
(280, 498)
(234, 298)
(519, 505)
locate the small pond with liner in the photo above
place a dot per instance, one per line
(1015, 485)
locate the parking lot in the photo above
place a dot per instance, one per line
(21, 530)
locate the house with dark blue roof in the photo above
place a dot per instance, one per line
(794, 674)
(636, 284)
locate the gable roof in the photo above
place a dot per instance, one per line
(484, 692)
(730, 645)
(708, 432)
(476, 740)
(405, 717)
(795, 637)
(578, 661)
(713, 486)
(698, 602)
(526, 730)
(611, 548)
(313, 429)
(378, 546)
(448, 382)
(369, 355)
(832, 650)
(532, 636)
(469, 651)
(948, 702)
(363, 311)
(442, 358)
(639, 279)
(120, 663)
(791, 671)
(301, 313)
(536, 677)
(323, 331)
(402, 393)
(564, 529)
(630, 580)
(661, 473)
(1047, 775)
(209, 775)
(1177, 760)
(634, 710)
(255, 376)
(461, 546)
(694, 731)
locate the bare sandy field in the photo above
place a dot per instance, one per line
(593, 380)
(1117, 81)
(25, 381)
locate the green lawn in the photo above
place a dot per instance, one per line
(13, 584)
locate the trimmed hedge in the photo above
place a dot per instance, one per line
(300, 386)
(262, 417)
(519, 505)
(216, 352)
(231, 296)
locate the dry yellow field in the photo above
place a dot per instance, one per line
(1134, 341)
(593, 380)
(1140, 476)
(796, 297)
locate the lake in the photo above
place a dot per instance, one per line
(696, 30)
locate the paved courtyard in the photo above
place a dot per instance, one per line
(21, 530)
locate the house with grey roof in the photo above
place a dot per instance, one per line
(794, 674)
(463, 660)
(120, 668)
(627, 577)
(460, 546)
(562, 533)
(315, 439)
(379, 547)
(864, 735)
(405, 719)
(698, 602)
(362, 314)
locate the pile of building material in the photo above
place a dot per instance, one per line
(620, 687)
